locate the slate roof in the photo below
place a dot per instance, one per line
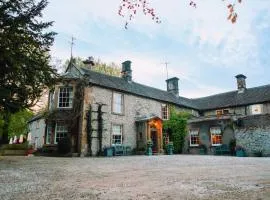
(135, 88)
(224, 100)
(232, 99)
(35, 117)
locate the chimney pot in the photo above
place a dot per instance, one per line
(172, 85)
(241, 83)
(126, 72)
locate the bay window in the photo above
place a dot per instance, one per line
(65, 97)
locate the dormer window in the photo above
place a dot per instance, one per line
(65, 97)
(256, 109)
(222, 112)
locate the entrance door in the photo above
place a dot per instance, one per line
(154, 140)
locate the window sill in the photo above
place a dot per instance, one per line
(194, 145)
(215, 145)
(120, 114)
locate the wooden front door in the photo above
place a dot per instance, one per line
(154, 141)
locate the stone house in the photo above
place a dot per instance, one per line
(99, 111)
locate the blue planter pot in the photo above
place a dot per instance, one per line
(240, 153)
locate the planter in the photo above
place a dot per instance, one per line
(240, 153)
(149, 148)
(12, 152)
(108, 152)
(202, 151)
(170, 149)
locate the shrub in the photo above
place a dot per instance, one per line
(64, 146)
(23, 146)
(258, 153)
(232, 146)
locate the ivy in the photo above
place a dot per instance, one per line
(177, 127)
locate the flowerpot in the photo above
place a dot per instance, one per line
(240, 153)
(108, 152)
(149, 151)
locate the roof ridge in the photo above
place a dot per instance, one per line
(232, 91)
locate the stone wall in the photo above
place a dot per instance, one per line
(254, 134)
(133, 106)
(205, 136)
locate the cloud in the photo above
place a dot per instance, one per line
(203, 48)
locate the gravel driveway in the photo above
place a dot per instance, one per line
(135, 177)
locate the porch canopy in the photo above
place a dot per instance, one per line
(153, 131)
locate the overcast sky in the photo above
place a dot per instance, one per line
(204, 50)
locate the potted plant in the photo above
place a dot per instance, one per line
(149, 148)
(240, 151)
(170, 148)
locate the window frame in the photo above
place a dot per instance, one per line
(260, 109)
(55, 131)
(121, 134)
(166, 112)
(72, 97)
(216, 134)
(49, 134)
(194, 135)
(113, 103)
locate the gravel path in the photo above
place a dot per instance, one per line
(135, 177)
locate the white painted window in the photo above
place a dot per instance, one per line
(216, 136)
(194, 139)
(65, 97)
(51, 100)
(117, 134)
(61, 131)
(164, 112)
(49, 134)
(37, 124)
(118, 102)
(256, 109)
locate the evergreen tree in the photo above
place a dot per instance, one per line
(24, 55)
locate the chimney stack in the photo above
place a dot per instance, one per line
(172, 85)
(126, 72)
(241, 83)
(89, 62)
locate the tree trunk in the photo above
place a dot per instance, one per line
(6, 116)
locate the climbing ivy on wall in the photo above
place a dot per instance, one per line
(177, 126)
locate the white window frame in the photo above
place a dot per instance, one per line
(115, 104)
(256, 109)
(117, 134)
(48, 134)
(64, 131)
(164, 111)
(51, 99)
(194, 132)
(213, 132)
(70, 98)
(37, 124)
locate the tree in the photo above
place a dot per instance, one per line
(24, 55)
(102, 67)
(177, 127)
(18, 123)
(129, 8)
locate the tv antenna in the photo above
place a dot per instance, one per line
(71, 45)
(166, 65)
